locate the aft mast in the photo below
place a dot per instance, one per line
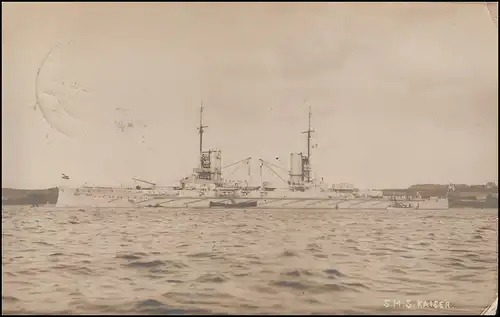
(201, 129)
(307, 164)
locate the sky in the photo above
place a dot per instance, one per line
(401, 93)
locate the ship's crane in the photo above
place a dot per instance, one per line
(243, 162)
(143, 181)
(269, 166)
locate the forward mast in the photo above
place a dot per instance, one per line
(209, 170)
(210, 167)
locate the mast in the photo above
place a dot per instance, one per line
(201, 128)
(309, 136)
(309, 131)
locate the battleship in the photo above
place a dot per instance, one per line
(207, 188)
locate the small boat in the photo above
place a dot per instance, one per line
(396, 208)
(155, 206)
(399, 206)
(245, 204)
(492, 309)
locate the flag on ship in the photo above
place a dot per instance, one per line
(451, 187)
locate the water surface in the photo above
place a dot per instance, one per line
(161, 261)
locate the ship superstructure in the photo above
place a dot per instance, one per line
(207, 187)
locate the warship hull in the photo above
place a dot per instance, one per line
(117, 197)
